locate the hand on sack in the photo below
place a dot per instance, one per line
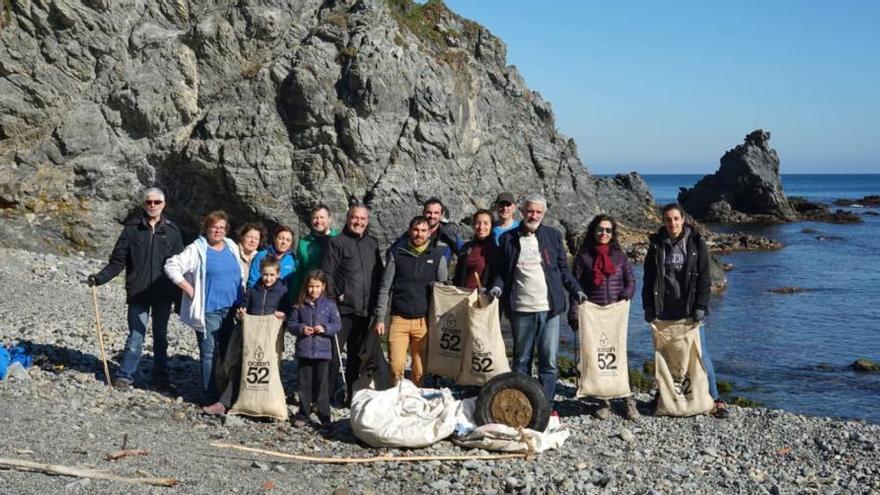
(581, 297)
(699, 315)
(280, 315)
(495, 292)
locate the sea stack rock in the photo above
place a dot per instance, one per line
(266, 108)
(746, 188)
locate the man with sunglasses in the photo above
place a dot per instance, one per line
(146, 241)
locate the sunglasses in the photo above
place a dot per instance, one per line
(604, 230)
(152, 202)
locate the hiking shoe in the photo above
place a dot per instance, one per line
(631, 412)
(122, 384)
(325, 420)
(215, 409)
(721, 411)
(604, 410)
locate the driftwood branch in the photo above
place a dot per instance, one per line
(59, 470)
(121, 454)
(366, 460)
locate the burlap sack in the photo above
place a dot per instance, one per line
(603, 366)
(678, 369)
(447, 329)
(261, 392)
(484, 353)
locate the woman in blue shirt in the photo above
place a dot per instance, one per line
(209, 274)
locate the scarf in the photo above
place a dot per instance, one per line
(602, 264)
(418, 250)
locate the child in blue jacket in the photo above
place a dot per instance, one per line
(315, 321)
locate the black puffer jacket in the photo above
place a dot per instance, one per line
(697, 282)
(141, 251)
(354, 268)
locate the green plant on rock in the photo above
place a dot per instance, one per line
(6, 19)
(639, 381)
(567, 367)
(421, 20)
(745, 402)
(346, 54)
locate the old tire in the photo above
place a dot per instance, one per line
(515, 400)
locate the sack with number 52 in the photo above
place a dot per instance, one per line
(603, 366)
(484, 354)
(260, 392)
(678, 369)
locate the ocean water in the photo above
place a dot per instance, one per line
(793, 351)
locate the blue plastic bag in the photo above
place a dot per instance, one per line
(4, 361)
(19, 355)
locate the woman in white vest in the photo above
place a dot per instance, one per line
(209, 274)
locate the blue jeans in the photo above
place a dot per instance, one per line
(212, 347)
(532, 330)
(707, 362)
(134, 345)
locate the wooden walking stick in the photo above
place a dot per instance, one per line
(100, 335)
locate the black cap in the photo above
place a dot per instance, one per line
(505, 197)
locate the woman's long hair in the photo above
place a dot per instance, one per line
(590, 237)
(318, 275)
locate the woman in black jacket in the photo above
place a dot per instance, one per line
(677, 282)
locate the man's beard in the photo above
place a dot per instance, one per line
(531, 226)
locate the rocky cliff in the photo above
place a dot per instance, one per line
(264, 108)
(746, 188)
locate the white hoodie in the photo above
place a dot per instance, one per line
(190, 265)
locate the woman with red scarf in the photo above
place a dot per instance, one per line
(606, 276)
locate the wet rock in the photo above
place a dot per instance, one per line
(865, 365)
(788, 290)
(871, 200)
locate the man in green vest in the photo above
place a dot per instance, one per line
(311, 247)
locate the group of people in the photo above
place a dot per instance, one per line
(334, 289)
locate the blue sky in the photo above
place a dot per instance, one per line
(668, 87)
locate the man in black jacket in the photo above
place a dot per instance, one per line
(141, 250)
(677, 282)
(532, 281)
(353, 264)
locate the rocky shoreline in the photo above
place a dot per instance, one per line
(63, 414)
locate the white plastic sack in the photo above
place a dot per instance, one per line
(403, 416)
(503, 438)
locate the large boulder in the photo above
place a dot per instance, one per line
(746, 188)
(265, 108)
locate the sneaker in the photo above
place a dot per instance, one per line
(324, 420)
(604, 410)
(631, 412)
(554, 421)
(122, 384)
(721, 411)
(215, 409)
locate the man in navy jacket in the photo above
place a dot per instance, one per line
(532, 278)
